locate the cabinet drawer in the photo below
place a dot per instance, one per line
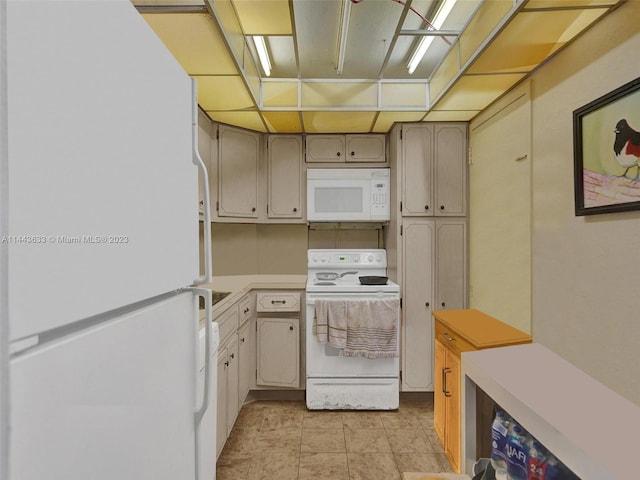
(278, 302)
(227, 323)
(452, 340)
(245, 309)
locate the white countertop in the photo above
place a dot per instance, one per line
(589, 427)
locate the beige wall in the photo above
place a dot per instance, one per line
(584, 269)
(249, 249)
(500, 210)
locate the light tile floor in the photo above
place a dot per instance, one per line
(285, 441)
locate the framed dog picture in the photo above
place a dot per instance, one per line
(606, 149)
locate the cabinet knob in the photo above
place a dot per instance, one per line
(233, 355)
(426, 207)
(253, 209)
(291, 328)
(338, 154)
(353, 154)
(427, 304)
(226, 364)
(242, 339)
(444, 304)
(295, 209)
(441, 207)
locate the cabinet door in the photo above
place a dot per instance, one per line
(450, 170)
(365, 148)
(285, 176)
(451, 264)
(439, 401)
(417, 165)
(417, 327)
(452, 401)
(233, 404)
(246, 365)
(325, 148)
(278, 352)
(221, 402)
(238, 172)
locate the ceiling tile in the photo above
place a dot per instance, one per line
(385, 120)
(264, 17)
(475, 92)
(194, 41)
(489, 15)
(223, 93)
(338, 122)
(280, 94)
(531, 37)
(283, 122)
(350, 94)
(249, 120)
(404, 95)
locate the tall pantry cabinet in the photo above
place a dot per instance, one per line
(427, 237)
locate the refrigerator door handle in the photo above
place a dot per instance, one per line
(207, 351)
(197, 160)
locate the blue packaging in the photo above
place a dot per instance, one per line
(517, 453)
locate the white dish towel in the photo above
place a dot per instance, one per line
(359, 328)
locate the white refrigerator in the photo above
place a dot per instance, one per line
(99, 248)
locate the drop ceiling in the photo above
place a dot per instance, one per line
(482, 49)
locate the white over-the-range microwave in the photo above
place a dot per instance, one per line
(348, 194)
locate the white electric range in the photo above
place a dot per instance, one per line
(342, 382)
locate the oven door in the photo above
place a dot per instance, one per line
(324, 361)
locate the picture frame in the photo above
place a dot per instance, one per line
(606, 149)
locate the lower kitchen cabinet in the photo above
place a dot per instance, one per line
(278, 356)
(236, 364)
(227, 395)
(458, 331)
(278, 339)
(434, 275)
(246, 357)
(446, 415)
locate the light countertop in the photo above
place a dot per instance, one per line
(239, 285)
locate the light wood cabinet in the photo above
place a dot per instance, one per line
(458, 331)
(434, 275)
(238, 157)
(246, 346)
(278, 339)
(369, 148)
(236, 364)
(366, 148)
(417, 302)
(324, 148)
(285, 177)
(278, 354)
(434, 169)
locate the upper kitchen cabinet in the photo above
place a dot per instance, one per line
(238, 163)
(433, 160)
(285, 177)
(365, 148)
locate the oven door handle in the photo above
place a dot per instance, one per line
(353, 296)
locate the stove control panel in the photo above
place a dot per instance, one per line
(340, 258)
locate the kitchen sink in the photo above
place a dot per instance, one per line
(215, 298)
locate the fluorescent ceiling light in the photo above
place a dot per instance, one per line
(438, 20)
(263, 55)
(342, 38)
